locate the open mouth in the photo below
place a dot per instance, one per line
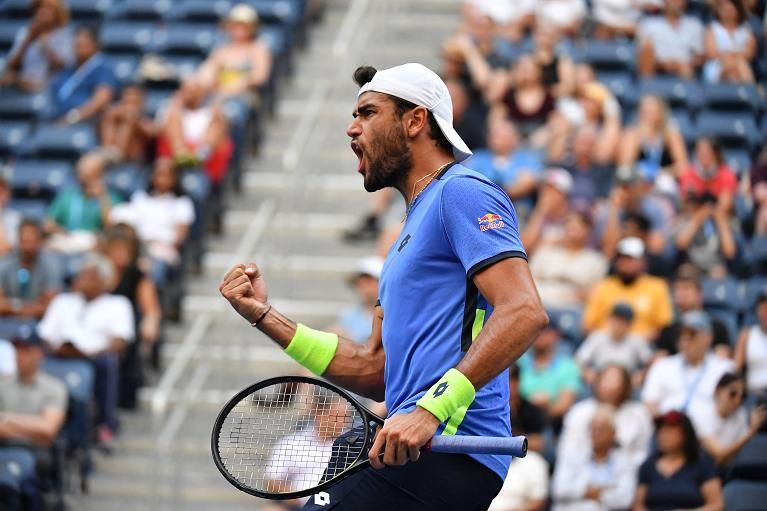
(357, 148)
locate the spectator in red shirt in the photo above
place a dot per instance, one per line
(708, 174)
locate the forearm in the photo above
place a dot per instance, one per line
(685, 237)
(726, 239)
(355, 366)
(30, 428)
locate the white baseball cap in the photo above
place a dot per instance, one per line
(420, 85)
(372, 266)
(560, 179)
(631, 247)
(243, 13)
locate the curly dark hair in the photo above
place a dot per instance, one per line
(364, 74)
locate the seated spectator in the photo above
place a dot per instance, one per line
(686, 380)
(527, 101)
(161, 215)
(729, 44)
(758, 191)
(89, 323)
(670, 44)
(526, 485)
(566, 272)
(591, 179)
(751, 350)
(40, 48)
(32, 411)
(10, 219)
(647, 295)
(356, 323)
(126, 131)
(633, 421)
(709, 176)
(614, 345)
(705, 235)
(723, 425)
(603, 477)
(82, 91)
(556, 65)
(526, 418)
(243, 64)
(514, 167)
(566, 15)
(29, 277)
(546, 223)
(653, 142)
(615, 18)
(194, 132)
(548, 377)
(677, 476)
(687, 296)
(77, 214)
(131, 281)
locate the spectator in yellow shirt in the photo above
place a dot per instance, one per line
(648, 296)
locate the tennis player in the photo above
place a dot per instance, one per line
(457, 306)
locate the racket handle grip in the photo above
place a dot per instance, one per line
(515, 446)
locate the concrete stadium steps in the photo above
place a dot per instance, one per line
(299, 194)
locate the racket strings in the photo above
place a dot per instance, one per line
(290, 437)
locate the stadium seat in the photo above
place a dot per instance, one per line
(720, 294)
(127, 38)
(124, 66)
(139, 10)
(200, 11)
(30, 208)
(759, 254)
(40, 179)
(88, 10)
(739, 160)
(729, 319)
(22, 106)
(156, 100)
(729, 97)
(55, 141)
(676, 92)
(732, 130)
(187, 39)
(8, 31)
(744, 495)
(12, 133)
(751, 463)
(684, 122)
(568, 322)
(15, 10)
(126, 178)
(10, 326)
(287, 14)
(607, 55)
(623, 86)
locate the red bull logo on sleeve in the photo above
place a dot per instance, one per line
(490, 221)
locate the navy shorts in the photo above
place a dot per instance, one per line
(439, 482)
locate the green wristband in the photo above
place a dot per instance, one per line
(312, 349)
(448, 399)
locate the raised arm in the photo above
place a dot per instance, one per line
(355, 366)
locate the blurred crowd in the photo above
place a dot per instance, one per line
(122, 127)
(630, 136)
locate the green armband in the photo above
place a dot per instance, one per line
(448, 399)
(312, 349)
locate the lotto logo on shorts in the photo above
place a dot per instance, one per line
(322, 498)
(490, 221)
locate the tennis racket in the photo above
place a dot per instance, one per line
(292, 436)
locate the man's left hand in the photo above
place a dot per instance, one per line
(401, 438)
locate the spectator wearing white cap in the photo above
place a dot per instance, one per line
(630, 283)
(356, 323)
(546, 223)
(567, 15)
(686, 380)
(566, 272)
(243, 64)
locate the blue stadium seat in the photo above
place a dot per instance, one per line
(8, 31)
(88, 10)
(195, 184)
(126, 178)
(284, 12)
(759, 254)
(188, 39)
(607, 55)
(17, 105)
(733, 130)
(744, 495)
(156, 100)
(12, 133)
(750, 292)
(10, 326)
(751, 463)
(127, 38)
(568, 322)
(200, 11)
(40, 179)
(721, 294)
(16, 10)
(730, 97)
(684, 122)
(623, 86)
(738, 160)
(55, 141)
(676, 92)
(277, 42)
(124, 66)
(729, 319)
(30, 208)
(139, 10)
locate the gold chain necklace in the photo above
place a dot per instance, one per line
(432, 175)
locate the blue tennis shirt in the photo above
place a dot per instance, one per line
(460, 224)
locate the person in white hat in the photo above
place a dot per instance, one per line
(457, 306)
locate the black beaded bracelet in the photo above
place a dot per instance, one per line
(262, 316)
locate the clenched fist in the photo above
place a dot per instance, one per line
(245, 289)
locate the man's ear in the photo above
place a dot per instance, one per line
(416, 121)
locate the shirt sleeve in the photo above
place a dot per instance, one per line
(183, 211)
(106, 76)
(479, 222)
(49, 328)
(55, 396)
(653, 387)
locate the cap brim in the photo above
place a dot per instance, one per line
(460, 150)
